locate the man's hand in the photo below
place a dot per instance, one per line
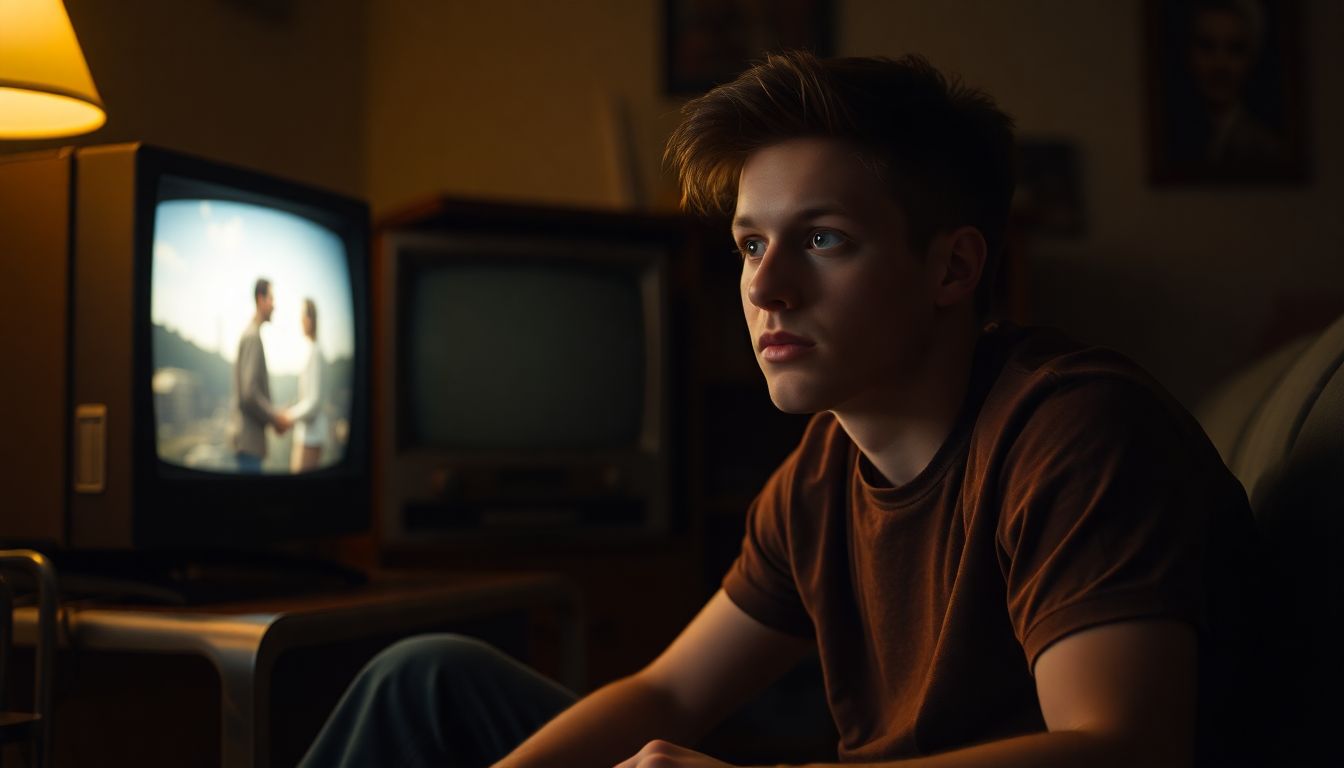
(663, 754)
(722, 658)
(281, 422)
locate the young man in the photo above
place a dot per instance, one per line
(1008, 549)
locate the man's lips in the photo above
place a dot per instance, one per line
(781, 347)
(782, 338)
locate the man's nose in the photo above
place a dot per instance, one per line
(775, 284)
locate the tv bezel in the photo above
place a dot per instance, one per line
(409, 470)
(179, 507)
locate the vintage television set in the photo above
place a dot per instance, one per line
(524, 386)
(128, 280)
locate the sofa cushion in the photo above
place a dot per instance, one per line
(1273, 427)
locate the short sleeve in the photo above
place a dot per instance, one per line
(761, 580)
(1106, 496)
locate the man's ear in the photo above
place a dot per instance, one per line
(960, 255)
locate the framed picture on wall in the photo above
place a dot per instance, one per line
(1225, 92)
(708, 42)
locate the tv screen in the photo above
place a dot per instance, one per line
(524, 354)
(252, 314)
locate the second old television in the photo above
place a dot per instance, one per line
(525, 393)
(129, 282)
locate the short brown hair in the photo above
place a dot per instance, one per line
(945, 150)
(261, 288)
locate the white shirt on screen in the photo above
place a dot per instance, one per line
(310, 418)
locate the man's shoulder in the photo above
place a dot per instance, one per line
(1033, 364)
(1043, 375)
(251, 336)
(816, 465)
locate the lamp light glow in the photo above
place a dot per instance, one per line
(45, 86)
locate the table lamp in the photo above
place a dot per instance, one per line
(45, 86)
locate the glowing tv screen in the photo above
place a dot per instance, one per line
(253, 337)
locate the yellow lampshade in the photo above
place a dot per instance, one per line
(45, 86)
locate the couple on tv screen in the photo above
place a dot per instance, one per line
(253, 339)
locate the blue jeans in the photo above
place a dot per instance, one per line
(249, 464)
(441, 700)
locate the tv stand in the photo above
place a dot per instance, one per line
(254, 648)
(197, 577)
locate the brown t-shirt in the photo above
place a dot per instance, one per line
(1073, 491)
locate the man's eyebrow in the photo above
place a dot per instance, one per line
(810, 212)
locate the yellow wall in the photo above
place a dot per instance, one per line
(276, 85)
(512, 98)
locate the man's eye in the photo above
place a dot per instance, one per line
(750, 249)
(823, 239)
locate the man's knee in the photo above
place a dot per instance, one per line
(427, 657)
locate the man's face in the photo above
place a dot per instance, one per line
(265, 306)
(1221, 55)
(826, 263)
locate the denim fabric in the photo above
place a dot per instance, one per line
(248, 464)
(440, 700)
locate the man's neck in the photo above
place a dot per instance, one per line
(901, 432)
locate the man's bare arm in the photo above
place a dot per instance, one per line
(717, 662)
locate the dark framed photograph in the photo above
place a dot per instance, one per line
(1225, 92)
(709, 42)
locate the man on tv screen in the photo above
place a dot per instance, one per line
(253, 385)
(1007, 548)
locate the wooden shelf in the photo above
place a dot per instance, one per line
(17, 726)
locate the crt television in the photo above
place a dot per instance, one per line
(130, 275)
(523, 385)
